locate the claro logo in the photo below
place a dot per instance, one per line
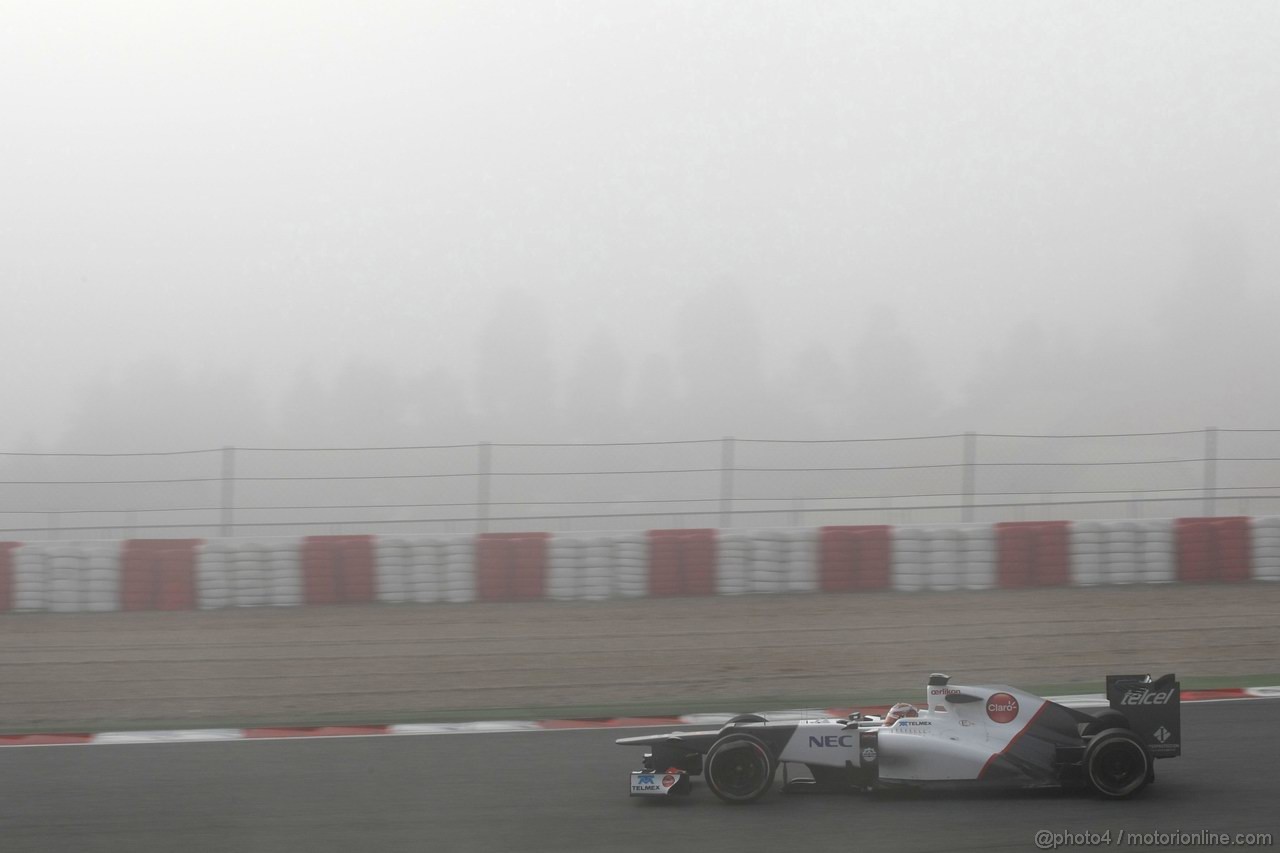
(1002, 708)
(1146, 697)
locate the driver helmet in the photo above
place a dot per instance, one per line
(902, 709)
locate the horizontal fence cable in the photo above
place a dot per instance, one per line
(777, 479)
(1037, 493)
(596, 516)
(635, 472)
(52, 454)
(1040, 493)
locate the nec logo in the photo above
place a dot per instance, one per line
(832, 741)
(1146, 697)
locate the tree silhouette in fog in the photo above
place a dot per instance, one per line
(516, 383)
(594, 396)
(891, 392)
(719, 346)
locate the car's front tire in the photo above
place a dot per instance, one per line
(1117, 764)
(739, 768)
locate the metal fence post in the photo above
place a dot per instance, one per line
(1210, 471)
(726, 481)
(967, 475)
(228, 490)
(484, 464)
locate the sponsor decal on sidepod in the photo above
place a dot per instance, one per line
(912, 727)
(1002, 708)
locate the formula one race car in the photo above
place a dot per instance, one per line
(991, 735)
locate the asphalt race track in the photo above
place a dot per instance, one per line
(566, 791)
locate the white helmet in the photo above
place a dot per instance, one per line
(897, 712)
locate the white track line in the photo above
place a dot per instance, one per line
(181, 736)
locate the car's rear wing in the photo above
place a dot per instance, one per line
(1153, 709)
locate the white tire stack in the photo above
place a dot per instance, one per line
(564, 568)
(1088, 551)
(1265, 533)
(802, 560)
(1158, 560)
(284, 572)
(392, 556)
(459, 568)
(425, 576)
(910, 558)
(942, 559)
(767, 567)
(597, 561)
(67, 579)
(1122, 556)
(978, 555)
(213, 576)
(631, 562)
(733, 552)
(249, 565)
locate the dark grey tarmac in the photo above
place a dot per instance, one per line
(566, 791)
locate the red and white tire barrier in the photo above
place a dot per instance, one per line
(492, 726)
(186, 574)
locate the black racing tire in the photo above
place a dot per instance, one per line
(1109, 719)
(739, 768)
(1117, 764)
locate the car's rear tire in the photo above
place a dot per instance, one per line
(739, 768)
(1109, 719)
(1117, 764)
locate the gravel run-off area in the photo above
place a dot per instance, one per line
(380, 663)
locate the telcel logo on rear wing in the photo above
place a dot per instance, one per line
(1152, 708)
(1146, 697)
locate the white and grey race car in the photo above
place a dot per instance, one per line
(979, 735)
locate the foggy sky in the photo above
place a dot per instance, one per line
(1018, 211)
